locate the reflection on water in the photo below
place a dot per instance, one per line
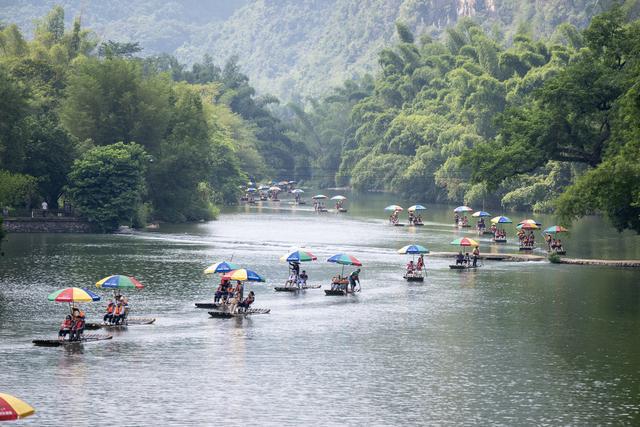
(512, 343)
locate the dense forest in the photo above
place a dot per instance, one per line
(297, 48)
(536, 124)
(481, 114)
(124, 139)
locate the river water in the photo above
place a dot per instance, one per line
(511, 344)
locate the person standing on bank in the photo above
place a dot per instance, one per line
(45, 206)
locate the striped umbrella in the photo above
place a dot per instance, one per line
(12, 408)
(345, 259)
(221, 267)
(243, 275)
(119, 282)
(299, 256)
(481, 214)
(416, 208)
(530, 221)
(413, 249)
(501, 220)
(72, 295)
(463, 209)
(465, 241)
(527, 226)
(556, 229)
(393, 208)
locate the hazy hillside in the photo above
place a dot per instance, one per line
(297, 47)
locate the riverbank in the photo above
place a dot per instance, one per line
(531, 257)
(47, 225)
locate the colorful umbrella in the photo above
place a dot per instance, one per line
(465, 241)
(481, 214)
(413, 249)
(338, 198)
(556, 229)
(530, 221)
(12, 408)
(299, 256)
(221, 267)
(73, 295)
(119, 282)
(393, 208)
(243, 275)
(527, 226)
(319, 196)
(463, 209)
(345, 259)
(297, 191)
(416, 208)
(501, 220)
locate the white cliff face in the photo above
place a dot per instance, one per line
(471, 7)
(466, 7)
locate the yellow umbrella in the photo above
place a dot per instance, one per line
(12, 408)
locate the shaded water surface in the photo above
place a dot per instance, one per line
(513, 343)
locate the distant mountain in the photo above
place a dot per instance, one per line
(294, 48)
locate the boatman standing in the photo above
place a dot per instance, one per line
(353, 278)
(476, 255)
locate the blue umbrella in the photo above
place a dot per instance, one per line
(501, 220)
(481, 214)
(221, 267)
(413, 249)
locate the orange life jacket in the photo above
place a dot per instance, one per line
(119, 310)
(110, 308)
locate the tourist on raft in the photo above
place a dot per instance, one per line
(302, 279)
(65, 327)
(460, 258)
(420, 263)
(410, 267)
(246, 303)
(353, 278)
(108, 316)
(78, 325)
(221, 291)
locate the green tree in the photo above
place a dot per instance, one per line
(106, 184)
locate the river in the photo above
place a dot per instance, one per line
(511, 344)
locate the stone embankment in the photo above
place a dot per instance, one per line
(47, 225)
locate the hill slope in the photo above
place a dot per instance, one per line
(295, 48)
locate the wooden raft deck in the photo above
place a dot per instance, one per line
(530, 257)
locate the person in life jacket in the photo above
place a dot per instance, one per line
(65, 327)
(108, 316)
(118, 313)
(78, 327)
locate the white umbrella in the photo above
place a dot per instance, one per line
(319, 196)
(275, 189)
(297, 191)
(338, 198)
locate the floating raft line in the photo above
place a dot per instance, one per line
(531, 257)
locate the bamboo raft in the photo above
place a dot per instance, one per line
(414, 277)
(132, 321)
(462, 267)
(85, 338)
(228, 315)
(295, 288)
